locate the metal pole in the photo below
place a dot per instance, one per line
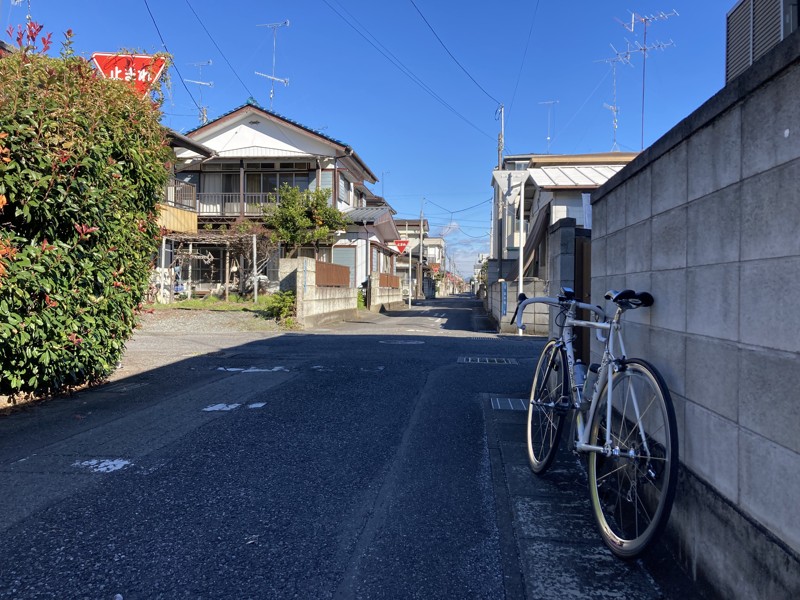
(409, 269)
(255, 272)
(419, 266)
(227, 269)
(189, 278)
(521, 239)
(163, 266)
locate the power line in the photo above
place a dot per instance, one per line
(450, 54)
(174, 64)
(401, 67)
(196, 16)
(524, 56)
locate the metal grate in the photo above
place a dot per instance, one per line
(481, 360)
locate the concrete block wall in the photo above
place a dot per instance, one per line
(315, 305)
(383, 297)
(707, 220)
(536, 318)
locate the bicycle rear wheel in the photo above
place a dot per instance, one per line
(545, 418)
(633, 489)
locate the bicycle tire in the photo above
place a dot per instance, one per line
(632, 492)
(545, 423)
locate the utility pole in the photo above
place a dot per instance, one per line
(501, 137)
(272, 78)
(521, 240)
(644, 48)
(421, 233)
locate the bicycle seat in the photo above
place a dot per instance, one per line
(630, 299)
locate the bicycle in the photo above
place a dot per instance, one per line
(627, 429)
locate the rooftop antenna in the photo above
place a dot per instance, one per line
(272, 78)
(619, 57)
(550, 104)
(19, 3)
(644, 21)
(203, 109)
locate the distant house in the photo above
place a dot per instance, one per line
(255, 152)
(5, 49)
(545, 188)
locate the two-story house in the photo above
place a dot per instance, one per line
(255, 152)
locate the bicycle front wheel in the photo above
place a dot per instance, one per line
(633, 486)
(545, 415)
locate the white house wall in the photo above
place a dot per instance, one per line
(264, 139)
(567, 206)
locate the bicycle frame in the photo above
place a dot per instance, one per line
(608, 365)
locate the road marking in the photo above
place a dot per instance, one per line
(372, 369)
(218, 407)
(257, 405)
(252, 370)
(487, 361)
(510, 404)
(401, 342)
(103, 465)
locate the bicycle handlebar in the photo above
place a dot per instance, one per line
(563, 303)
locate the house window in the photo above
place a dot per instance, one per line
(344, 190)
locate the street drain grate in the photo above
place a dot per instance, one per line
(509, 404)
(481, 360)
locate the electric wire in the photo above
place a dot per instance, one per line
(524, 56)
(401, 67)
(174, 65)
(450, 54)
(225, 58)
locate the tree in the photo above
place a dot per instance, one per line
(301, 218)
(83, 163)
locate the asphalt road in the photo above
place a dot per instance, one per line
(362, 460)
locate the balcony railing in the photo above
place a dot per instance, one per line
(180, 195)
(218, 204)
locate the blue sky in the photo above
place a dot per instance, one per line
(425, 124)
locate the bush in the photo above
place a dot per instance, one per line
(280, 305)
(83, 162)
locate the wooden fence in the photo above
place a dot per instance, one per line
(389, 281)
(330, 275)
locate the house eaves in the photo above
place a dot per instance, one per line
(573, 177)
(252, 109)
(178, 140)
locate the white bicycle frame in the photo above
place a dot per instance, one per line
(608, 365)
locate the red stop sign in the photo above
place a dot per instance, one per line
(140, 70)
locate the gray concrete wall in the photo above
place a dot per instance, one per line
(381, 298)
(535, 318)
(315, 305)
(707, 220)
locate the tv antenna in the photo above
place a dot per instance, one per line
(549, 104)
(272, 78)
(202, 84)
(644, 21)
(619, 57)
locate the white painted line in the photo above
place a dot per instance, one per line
(401, 342)
(252, 370)
(257, 405)
(372, 369)
(218, 407)
(103, 465)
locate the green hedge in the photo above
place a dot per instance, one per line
(83, 162)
